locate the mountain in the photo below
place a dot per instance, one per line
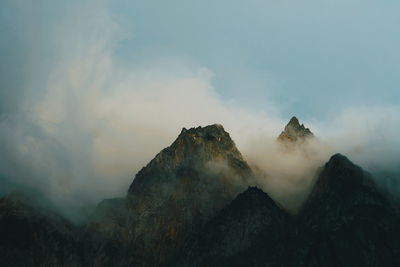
(184, 186)
(346, 221)
(251, 231)
(194, 204)
(180, 189)
(350, 221)
(294, 132)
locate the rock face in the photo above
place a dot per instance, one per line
(345, 222)
(251, 231)
(180, 189)
(105, 236)
(294, 132)
(350, 222)
(35, 236)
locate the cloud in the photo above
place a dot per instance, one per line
(367, 134)
(97, 122)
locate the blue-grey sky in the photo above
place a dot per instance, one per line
(91, 90)
(311, 58)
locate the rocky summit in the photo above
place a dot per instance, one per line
(180, 189)
(195, 204)
(294, 132)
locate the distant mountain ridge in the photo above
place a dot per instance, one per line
(195, 204)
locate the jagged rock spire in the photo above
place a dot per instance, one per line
(294, 132)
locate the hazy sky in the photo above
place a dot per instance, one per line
(310, 57)
(91, 90)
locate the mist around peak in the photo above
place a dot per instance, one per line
(294, 132)
(286, 166)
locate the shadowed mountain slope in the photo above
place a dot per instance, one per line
(345, 222)
(33, 235)
(180, 189)
(350, 221)
(251, 231)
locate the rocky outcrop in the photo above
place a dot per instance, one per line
(294, 132)
(180, 189)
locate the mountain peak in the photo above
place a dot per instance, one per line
(294, 132)
(339, 171)
(339, 177)
(339, 160)
(294, 121)
(188, 182)
(209, 132)
(254, 195)
(211, 139)
(197, 148)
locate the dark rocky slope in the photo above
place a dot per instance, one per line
(345, 222)
(250, 231)
(180, 189)
(105, 236)
(33, 235)
(350, 222)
